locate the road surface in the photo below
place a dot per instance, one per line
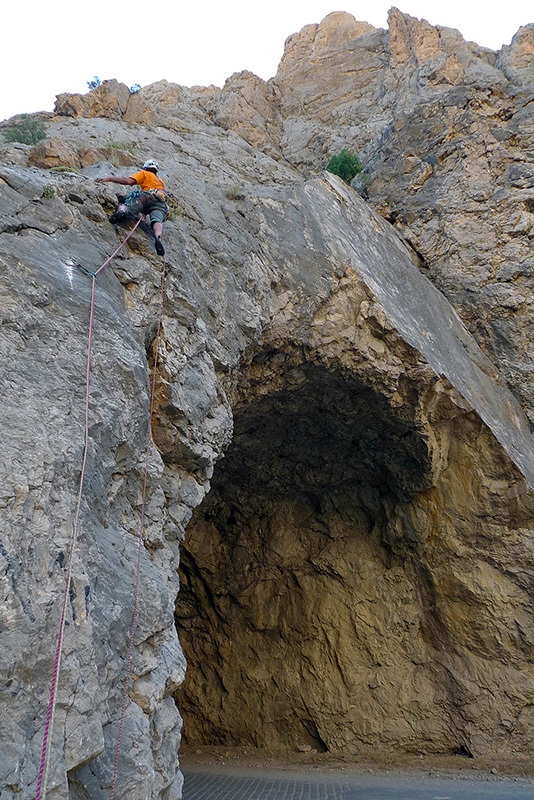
(225, 782)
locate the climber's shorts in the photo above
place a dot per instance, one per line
(157, 214)
(148, 204)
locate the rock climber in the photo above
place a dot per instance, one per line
(148, 199)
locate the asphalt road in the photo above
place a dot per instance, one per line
(223, 782)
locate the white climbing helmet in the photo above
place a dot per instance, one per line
(151, 164)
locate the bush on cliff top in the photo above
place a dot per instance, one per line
(28, 131)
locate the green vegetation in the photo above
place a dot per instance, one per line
(114, 152)
(95, 83)
(345, 165)
(28, 131)
(235, 193)
(129, 147)
(175, 209)
(49, 191)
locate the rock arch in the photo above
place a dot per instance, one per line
(340, 581)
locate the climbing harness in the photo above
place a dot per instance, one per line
(159, 194)
(145, 200)
(44, 765)
(137, 195)
(133, 197)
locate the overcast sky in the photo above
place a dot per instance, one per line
(57, 46)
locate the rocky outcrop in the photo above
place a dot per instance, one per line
(331, 570)
(109, 99)
(44, 316)
(47, 218)
(443, 129)
(341, 469)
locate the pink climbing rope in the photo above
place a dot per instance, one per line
(44, 765)
(141, 538)
(119, 248)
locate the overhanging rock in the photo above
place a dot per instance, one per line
(343, 228)
(343, 582)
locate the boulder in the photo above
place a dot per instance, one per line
(110, 100)
(53, 152)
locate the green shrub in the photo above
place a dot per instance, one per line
(49, 191)
(345, 165)
(28, 131)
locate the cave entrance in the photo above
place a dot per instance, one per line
(298, 609)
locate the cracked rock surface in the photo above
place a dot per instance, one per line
(336, 455)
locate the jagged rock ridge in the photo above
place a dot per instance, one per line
(357, 569)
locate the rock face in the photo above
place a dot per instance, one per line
(444, 129)
(343, 472)
(330, 574)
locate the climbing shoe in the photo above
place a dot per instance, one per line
(160, 250)
(118, 216)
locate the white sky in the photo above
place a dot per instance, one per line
(55, 46)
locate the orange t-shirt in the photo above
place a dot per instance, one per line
(147, 180)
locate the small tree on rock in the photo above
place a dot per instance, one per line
(345, 165)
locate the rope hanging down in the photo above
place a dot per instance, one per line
(44, 765)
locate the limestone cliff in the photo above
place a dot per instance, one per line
(343, 472)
